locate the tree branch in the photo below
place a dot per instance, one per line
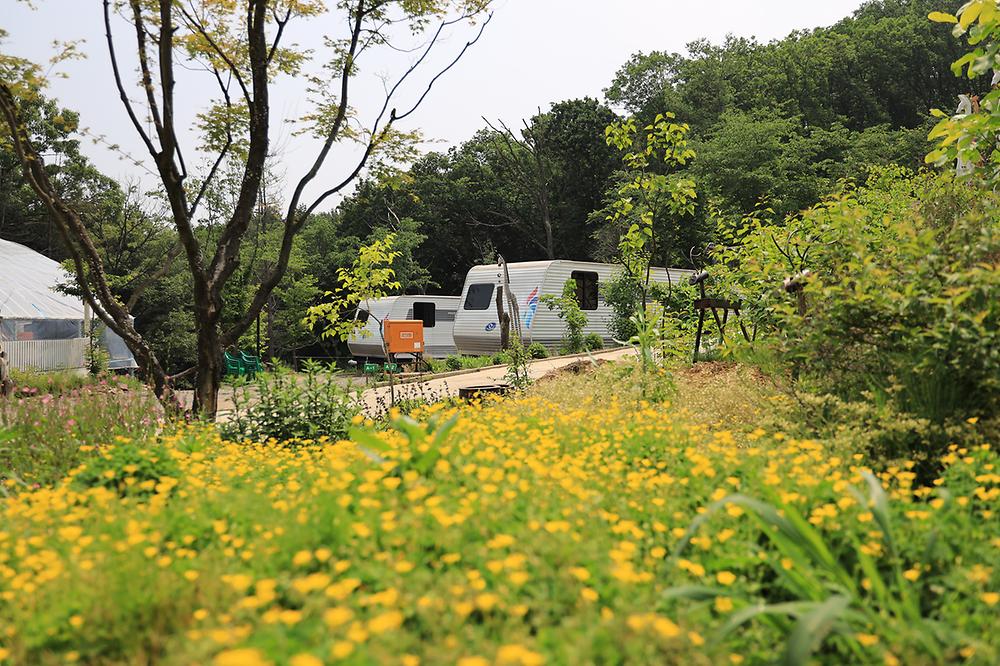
(121, 86)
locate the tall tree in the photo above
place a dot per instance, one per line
(240, 47)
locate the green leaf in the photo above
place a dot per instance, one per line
(812, 628)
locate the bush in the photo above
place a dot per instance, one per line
(129, 468)
(537, 350)
(453, 362)
(902, 300)
(624, 294)
(499, 358)
(593, 342)
(290, 407)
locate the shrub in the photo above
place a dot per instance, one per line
(902, 300)
(453, 362)
(537, 350)
(624, 294)
(499, 358)
(286, 406)
(593, 342)
(128, 467)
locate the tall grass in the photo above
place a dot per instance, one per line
(44, 435)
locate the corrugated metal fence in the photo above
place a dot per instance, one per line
(45, 354)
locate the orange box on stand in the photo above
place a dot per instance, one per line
(404, 336)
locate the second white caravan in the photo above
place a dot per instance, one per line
(477, 328)
(437, 313)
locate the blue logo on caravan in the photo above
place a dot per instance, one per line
(491, 326)
(532, 303)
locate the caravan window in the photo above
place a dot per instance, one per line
(425, 313)
(586, 289)
(363, 315)
(479, 297)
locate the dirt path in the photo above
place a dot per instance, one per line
(377, 399)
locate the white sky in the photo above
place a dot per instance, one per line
(533, 53)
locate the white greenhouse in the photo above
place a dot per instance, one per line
(41, 328)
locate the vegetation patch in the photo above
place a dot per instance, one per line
(596, 529)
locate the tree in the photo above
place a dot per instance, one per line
(239, 47)
(646, 195)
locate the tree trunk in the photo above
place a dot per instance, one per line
(209, 373)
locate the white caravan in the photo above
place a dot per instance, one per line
(477, 329)
(437, 313)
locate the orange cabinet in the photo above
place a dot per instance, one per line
(404, 336)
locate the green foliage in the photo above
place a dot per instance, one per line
(624, 294)
(646, 196)
(593, 342)
(285, 406)
(55, 421)
(517, 358)
(96, 356)
(900, 303)
(537, 350)
(370, 277)
(969, 137)
(128, 468)
(568, 305)
(457, 362)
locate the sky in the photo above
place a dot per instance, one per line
(531, 54)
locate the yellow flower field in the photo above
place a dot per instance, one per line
(533, 532)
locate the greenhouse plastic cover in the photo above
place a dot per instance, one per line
(27, 282)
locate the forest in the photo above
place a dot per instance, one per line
(775, 127)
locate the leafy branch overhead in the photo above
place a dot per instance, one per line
(369, 278)
(646, 194)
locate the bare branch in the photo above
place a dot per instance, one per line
(121, 86)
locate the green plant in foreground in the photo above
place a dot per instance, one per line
(290, 406)
(834, 597)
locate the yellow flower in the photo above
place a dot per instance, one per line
(588, 594)
(385, 622)
(723, 604)
(487, 601)
(518, 655)
(240, 657)
(990, 598)
(335, 617)
(305, 659)
(867, 640)
(665, 627)
(972, 420)
(302, 558)
(342, 649)
(473, 661)
(76, 621)
(580, 573)
(911, 574)
(725, 577)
